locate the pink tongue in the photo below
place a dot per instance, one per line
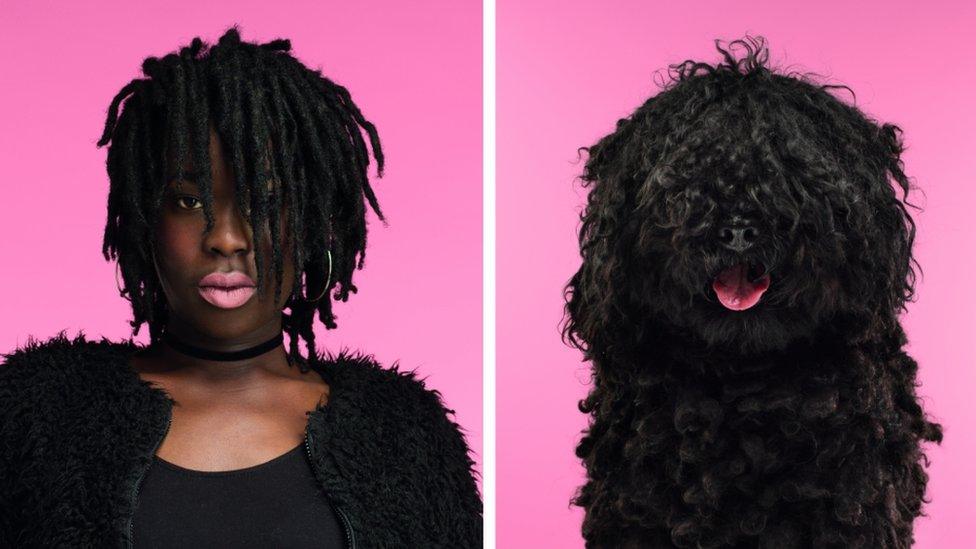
(734, 290)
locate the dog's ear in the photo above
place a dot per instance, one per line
(896, 228)
(592, 295)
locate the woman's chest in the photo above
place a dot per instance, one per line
(235, 429)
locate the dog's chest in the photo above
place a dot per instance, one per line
(819, 451)
(744, 434)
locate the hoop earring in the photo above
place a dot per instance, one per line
(327, 280)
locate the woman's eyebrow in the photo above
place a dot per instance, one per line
(191, 176)
(178, 183)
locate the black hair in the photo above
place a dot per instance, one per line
(698, 124)
(798, 423)
(259, 93)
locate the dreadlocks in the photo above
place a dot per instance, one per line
(317, 162)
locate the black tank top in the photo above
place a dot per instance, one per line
(274, 504)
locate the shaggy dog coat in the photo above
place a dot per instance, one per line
(745, 257)
(78, 428)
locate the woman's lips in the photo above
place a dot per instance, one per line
(230, 279)
(226, 290)
(227, 298)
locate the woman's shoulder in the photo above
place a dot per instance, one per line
(60, 371)
(392, 387)
(370, 397)
(48, 386)
(61, 353)
(398, 427)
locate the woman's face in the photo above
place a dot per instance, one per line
(185, 255)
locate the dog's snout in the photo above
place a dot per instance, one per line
(738, 237)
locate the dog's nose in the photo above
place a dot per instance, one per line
(738, 237)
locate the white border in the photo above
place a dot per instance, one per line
(488, 265)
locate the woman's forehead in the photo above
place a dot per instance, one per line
(217, 153)
(215, 148)
(218, 159)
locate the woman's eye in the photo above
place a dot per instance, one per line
(183, 200)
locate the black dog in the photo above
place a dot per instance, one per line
(745, 259)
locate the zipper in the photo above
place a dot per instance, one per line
(135, 492)
(346, 525)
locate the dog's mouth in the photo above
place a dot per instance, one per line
(740, 286)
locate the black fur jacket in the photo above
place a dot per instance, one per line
(79, 427)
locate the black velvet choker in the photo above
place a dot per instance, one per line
(208, 354)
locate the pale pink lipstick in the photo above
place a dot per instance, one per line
(226, 290)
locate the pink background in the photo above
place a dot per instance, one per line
(415, 70)
(568, 70)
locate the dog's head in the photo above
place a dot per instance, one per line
(745, 207)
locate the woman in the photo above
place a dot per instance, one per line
(225, 162)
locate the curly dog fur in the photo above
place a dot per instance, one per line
(790, 423)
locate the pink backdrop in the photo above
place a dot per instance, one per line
(568, 70)
(414, 69)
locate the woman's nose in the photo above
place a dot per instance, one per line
(231, 233)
